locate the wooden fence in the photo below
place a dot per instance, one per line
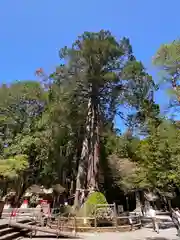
(77, 224)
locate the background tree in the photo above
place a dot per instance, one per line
(21, 107)
(13, 174)
(167, 59)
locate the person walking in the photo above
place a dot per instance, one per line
(130, 222)
(152, 214)
(175, 220)
(178, 214)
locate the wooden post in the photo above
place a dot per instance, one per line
(61, 223)
(58, 225)
(95, 220)
(85, 215)
(127, 203)
(115, 216)
(75, 226)
(140, 221)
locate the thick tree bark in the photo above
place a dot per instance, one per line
(83, 163)
(87, 176)
(94, 142)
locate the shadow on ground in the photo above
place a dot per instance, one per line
(159, 238)
(54, 236)
(163, 224)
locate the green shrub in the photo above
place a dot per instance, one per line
(88, 208)
(66, 210)
(96, 198)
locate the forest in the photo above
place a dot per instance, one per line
(61, 129)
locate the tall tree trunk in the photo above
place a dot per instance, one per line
(83, 163)
(19, 195)
(94, 143)
(87, 176)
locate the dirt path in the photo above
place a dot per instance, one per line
(142, 234)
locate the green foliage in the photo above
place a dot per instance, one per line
(89, 207)
(167, 59)
(66, 211)
(100, 61)
(168, 56)
(159, 155)
(151, 163)
(12, 167)
(96, 198)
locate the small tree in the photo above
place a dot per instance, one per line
(13, 172)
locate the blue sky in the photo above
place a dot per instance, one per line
(32, 31)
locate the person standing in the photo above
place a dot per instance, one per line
(152, 214)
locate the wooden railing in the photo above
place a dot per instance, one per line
(76, 224)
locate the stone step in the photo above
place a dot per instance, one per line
(6, 229)
(10, 233)
(14, 235)
(2, 226)
(6, 224)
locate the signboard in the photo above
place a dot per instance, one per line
(120, 209)
(45, 207)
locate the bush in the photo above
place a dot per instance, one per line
(65, 210)
(88, 208)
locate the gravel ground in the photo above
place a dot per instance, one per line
(142, 234)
